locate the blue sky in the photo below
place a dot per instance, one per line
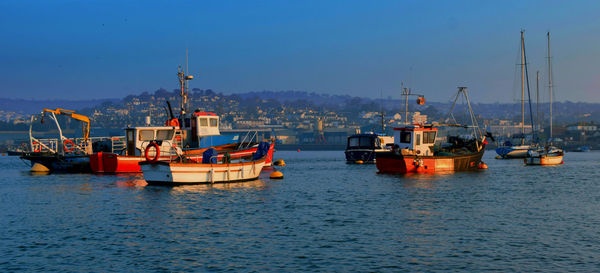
(109, 49)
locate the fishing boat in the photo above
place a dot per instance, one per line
(415, 149)
(518, 150)
(210, 170)
(192, 133)
(549, 155)
(60, 154)
(361, 148)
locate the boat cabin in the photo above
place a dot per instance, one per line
(369, 141)
(363, 141)
(198, 126)
(415, 139)
(138, 138)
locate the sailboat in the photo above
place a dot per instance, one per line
(548, 155)
(511, 150)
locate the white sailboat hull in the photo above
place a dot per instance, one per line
(195, 173)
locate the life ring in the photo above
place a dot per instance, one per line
(172, 122)
(155, 158)
(35, 147)
(67, 141)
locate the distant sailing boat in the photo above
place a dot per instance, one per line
(548, 155)
(511, 150)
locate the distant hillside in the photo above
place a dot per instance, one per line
(293, 95)
(565, 112)
(23, 106)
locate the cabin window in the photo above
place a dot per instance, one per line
(429, 137)
(146, 135)
(203, 122)
(130, 136)
(418, 142)
(363, 142)
(404, 137)
(353, 142)
(366, 142)
(164, 134)
(214, 122)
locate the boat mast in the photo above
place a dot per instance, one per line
(550, 82)
(522, 88)
(405, 94)
(529, 94)
(183, 78)
(537, 101)
(382, 114)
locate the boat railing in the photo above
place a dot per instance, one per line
(44, 145)
(117, 144)
(170, 153)
(78, 146)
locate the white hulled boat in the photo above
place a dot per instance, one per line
(210, 170)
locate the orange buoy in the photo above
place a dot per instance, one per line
(279, 162)
(359, 162)
(482, 165)
(298, 150)
(276, 175)
(38, 167)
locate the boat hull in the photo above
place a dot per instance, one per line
(391, 162)
(60, 163)
(172, 173)
(114, 163)
(544, 160)
(513, 152)
(364, 155)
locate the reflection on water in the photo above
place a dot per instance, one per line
(130, 181)
(325, 215)
(204, 188)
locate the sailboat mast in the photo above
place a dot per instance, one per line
(537, 101)
(550, 82)
(522, 88)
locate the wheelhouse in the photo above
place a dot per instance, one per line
(137, 138)
(363, 141)
(415, 138)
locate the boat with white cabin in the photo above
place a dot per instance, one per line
(192, 133)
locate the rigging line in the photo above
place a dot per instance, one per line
(528, 92)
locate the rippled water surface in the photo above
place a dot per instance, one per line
(325, 215)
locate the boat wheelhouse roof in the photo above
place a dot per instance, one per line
(365, 135)
(416, 127)
(208, 114)
(150, 128)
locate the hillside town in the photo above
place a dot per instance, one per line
(300, 118)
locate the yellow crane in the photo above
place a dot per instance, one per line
(73, 115)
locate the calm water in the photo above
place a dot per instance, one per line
(324, 216)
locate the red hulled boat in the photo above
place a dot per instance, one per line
(415, 149)
(188, 135)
